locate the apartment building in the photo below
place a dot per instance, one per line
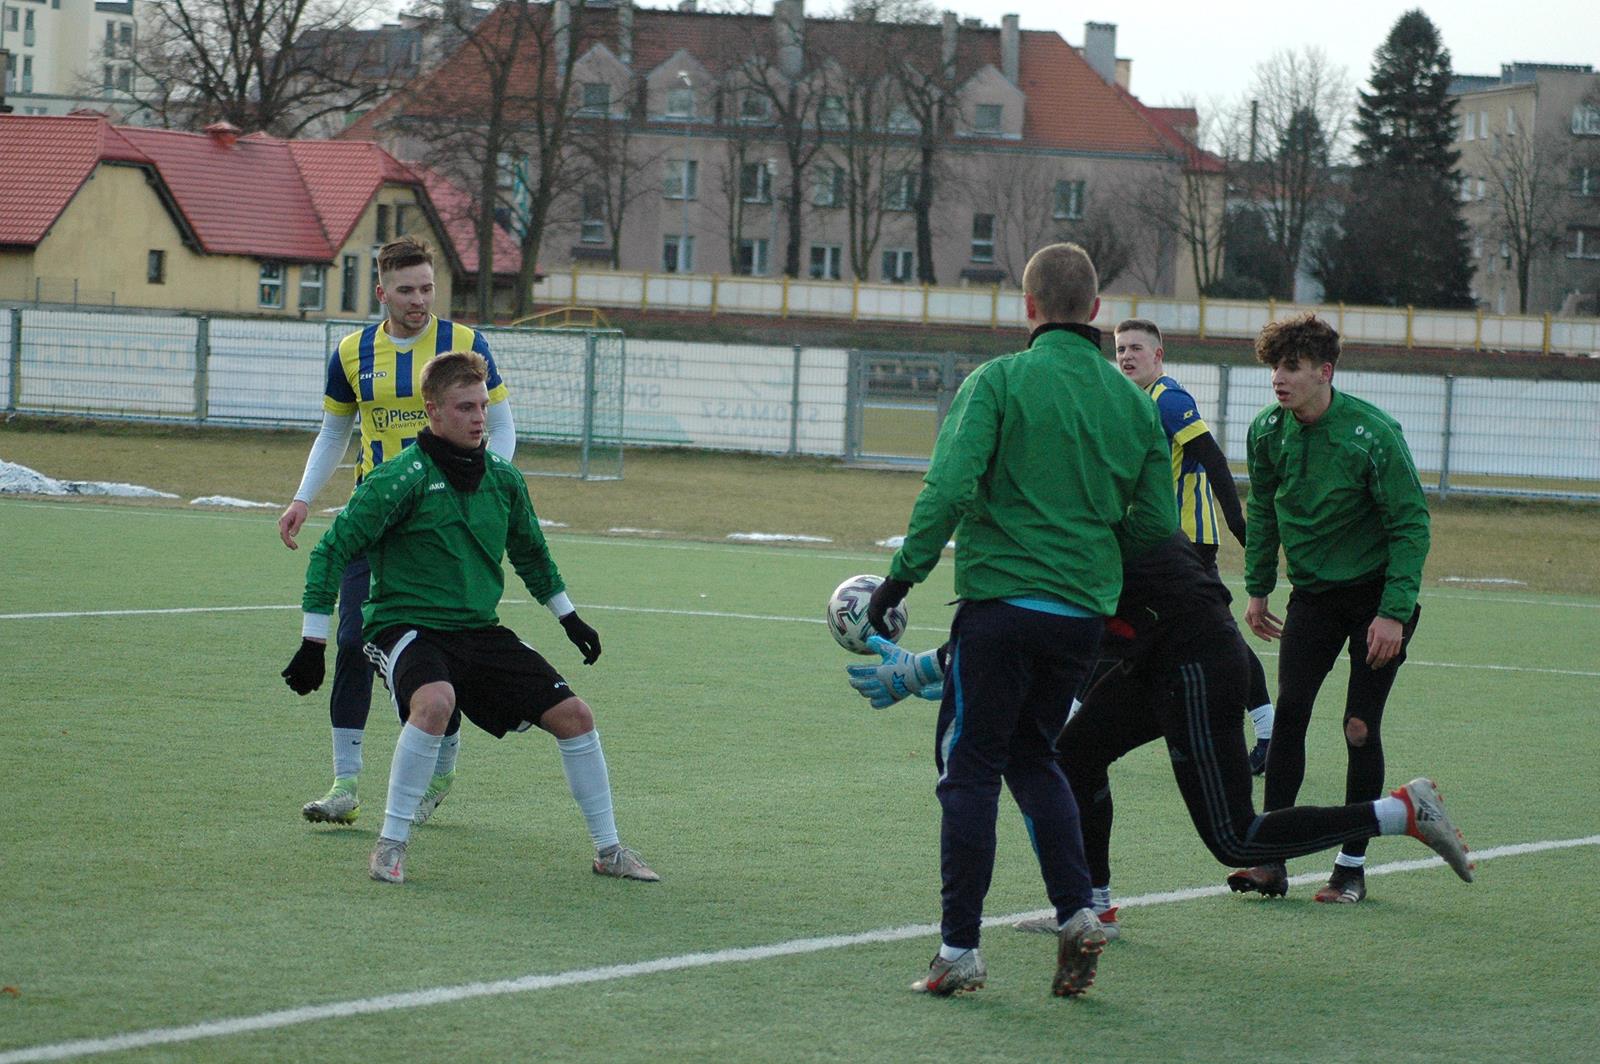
(1529, 180)
(68, 55)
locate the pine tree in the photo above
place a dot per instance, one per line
(1402, 240)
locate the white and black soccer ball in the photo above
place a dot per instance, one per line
(847, 614)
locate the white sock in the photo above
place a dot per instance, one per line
(1261, 717)
(1073, 712)
(449, 747)
(414, 757)
(585, 765)
(951, 953)
(1392, 815)
(1344, 860)
(1101, 898)
(346, 752)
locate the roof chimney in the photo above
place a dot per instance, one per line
(625, 32)
(1010, 49)
(947, 53)
(789, 25)
(1100, 49)
(223, 134)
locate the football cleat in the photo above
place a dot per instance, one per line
(1269, 879)
(438, 787)
(624, 864)
(339, 806)
(1426, 821)
(388, 864)
(1082, 940)
(1346, 886)
(944, 978)
(1047, 925)
(1258, 757)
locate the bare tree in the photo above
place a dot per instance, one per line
(1528, 181)
(1187, 201)
(1298, 118)
(739, 185)
(276, 66)
(1032, 209)
(927, 84)
(616, 169)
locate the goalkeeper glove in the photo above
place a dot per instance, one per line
(586, 639)
(885, 597)
(901, 674)
(307, 667)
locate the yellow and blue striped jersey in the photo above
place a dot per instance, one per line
(1181, 420)
(369, 373)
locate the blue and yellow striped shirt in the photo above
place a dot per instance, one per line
(1181, 420)
(369, 373)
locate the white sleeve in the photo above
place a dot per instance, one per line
(502, 430)
(332, 439)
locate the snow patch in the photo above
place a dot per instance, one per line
(551, 524)
(1501, 581)
(20, 480)
(896, 542)
(624, 531)
(228, 500)
(775, 537)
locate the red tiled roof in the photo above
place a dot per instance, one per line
(243, 199)
(1071, 106)
(456, 215)
(44, 160)
(342, 176)
(1169, 123)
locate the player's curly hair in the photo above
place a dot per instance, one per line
(401, 252)
(1303, 337)
(451, 370)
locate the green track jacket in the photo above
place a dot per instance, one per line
(1342, 496)
(435, 552)
(1048, 460)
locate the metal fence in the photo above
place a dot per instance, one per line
(994, 306)
(1468, 435)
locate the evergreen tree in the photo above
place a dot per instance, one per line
(1402, 239)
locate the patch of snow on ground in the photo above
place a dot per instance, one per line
(228, 500)
(551, 524)
(20, 480)
(1499, 580)
(896, 542)
(775, 537)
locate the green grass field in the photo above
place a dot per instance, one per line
(156, 874)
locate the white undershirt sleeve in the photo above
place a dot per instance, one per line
(329, 447)
(502, 429)
(560, 605)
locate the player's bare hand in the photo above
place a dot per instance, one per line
(289, 524)
(1384, 637)
(1262, 621)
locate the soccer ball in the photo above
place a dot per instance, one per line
(847, 614)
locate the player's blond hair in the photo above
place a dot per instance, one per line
(451, 370)
(1063, 283)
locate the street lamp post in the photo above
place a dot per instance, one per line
(772, 198)
(683, 175)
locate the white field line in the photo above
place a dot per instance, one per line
(717, 615)
(442, 995)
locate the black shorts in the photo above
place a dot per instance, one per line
(501, 683)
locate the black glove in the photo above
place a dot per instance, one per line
(886, 597)
(583, 637)
(307, 668)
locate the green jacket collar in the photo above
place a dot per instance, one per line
(1087, 332)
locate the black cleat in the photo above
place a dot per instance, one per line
(1269, 879)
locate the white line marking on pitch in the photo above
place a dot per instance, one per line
(715, 615)
(442, 995)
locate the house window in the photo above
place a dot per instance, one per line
(899, 264)
(986, 118)
(505, 174)
(901, 120)
(383, 222)
(155, 267)
(1483, 125)
(755, 183)
(1069, 200)
(900, 190)
(831, 115)
(11, 19)
(1477, 246)
(1586, 120)
(270, 293)
(983, 238)
(1511, 121)
(125, 37)
(1583, 242)
(680, 103)
(596, 97)
(683, 178)
(125, 79)
(403, 218)
(348, 284)
(827, 186)
(27, 73)
(27, 29)
(313, 284)
(754, 107)
(1483, 187)
(108, 76)
(825, 260)
(373, 306)
(1585, 181)
(671, 260)
(110, 49)
(593, 229)
(752, 258)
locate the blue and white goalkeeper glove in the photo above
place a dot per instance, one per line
(901, 674)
